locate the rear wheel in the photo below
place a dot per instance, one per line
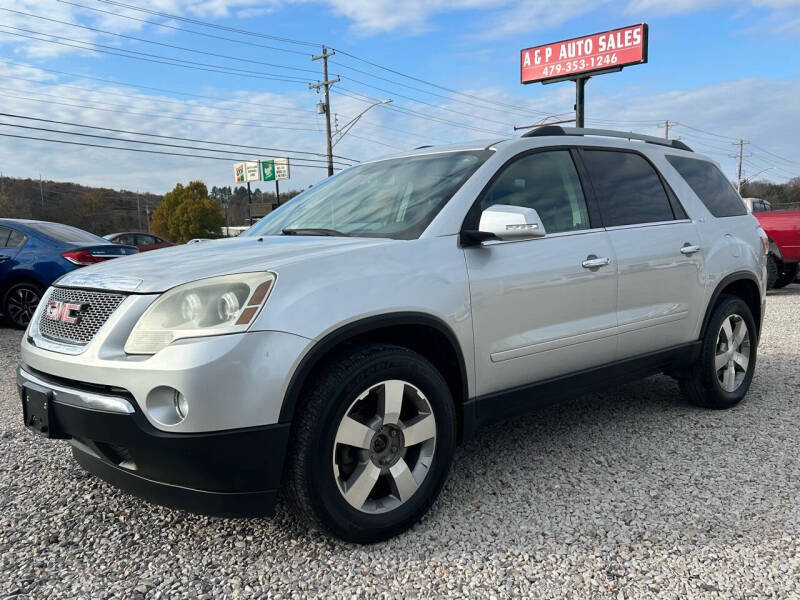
(773, 271)
(786, 276)
(372, 445)
(722, 375)
(20, 302)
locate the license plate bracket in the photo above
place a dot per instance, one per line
(37, 409)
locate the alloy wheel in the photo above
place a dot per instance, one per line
(21, 304)
(384, 446)
(733, 353)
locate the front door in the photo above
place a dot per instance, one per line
(539, 309)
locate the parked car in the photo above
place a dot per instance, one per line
(783, 230)
(143, 241)
(33, 254)
(757, 205)
(344, 345)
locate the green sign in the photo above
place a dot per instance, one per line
(267, 170)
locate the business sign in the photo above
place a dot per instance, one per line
(252, 171)
(277, 168)
(238, 172)
(281, 168)
(267, 170)
(568, 59)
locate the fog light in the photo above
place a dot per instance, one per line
(167, 405)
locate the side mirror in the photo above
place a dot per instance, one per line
(506, 222)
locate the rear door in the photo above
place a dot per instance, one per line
(658, 249)
(537, 311)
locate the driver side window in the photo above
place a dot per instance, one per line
(547, 182)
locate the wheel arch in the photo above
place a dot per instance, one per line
(423, 333)
(742, 284)
(19, 277)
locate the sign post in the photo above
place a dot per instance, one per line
(580, 58)
(275, 170)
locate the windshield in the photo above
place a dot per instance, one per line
(395, 198)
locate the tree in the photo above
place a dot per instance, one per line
(187, 212)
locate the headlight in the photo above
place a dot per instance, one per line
(211, 306)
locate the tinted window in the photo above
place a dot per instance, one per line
(546, 182)
(16, 239)
(144, 240)
(4, 233)
(710, 185)
(65, 233)
(127, 238)
(628, 188)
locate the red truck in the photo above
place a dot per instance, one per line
(783, 229)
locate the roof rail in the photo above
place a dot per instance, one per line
(552, 130)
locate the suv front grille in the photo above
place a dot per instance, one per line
(97, 307)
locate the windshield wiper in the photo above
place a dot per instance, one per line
(313, 231)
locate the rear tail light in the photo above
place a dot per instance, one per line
(83, 257)
(764, 241)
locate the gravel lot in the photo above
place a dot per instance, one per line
(627, 494)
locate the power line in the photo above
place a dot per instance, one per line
(210, 25)
(436, 85)
(792, 162)
(162, 44)
(116, 139)
(144, 87)
(160, 116)
(184, 29)
(164, 60)
(170, 137)
(226, 159)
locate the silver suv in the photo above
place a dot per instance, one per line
(341, 348)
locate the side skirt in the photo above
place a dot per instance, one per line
(499, 406)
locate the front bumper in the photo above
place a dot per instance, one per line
(224, 473)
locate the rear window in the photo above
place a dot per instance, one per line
(67, 234)
(628, 188)
(710, 185)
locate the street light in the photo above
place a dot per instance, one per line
(344, 130)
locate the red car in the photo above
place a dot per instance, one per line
(783, 229)
(143, 241)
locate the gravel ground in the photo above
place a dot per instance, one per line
(627, 494)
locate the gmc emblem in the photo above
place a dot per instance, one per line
(66, 312)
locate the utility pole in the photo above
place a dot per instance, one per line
(138, 211)
(41, 192)
(326, 106)
(666, 129)
(740, 156)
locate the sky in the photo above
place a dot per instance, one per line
(232, 77)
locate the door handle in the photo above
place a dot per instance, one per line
(689, 249)
(592, 262)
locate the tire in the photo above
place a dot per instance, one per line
(786, 277)
(19, 303)
(321, 468)
(705, 385)
(772, 271)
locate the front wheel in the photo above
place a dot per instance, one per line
(786, 277)
(20, 302)
(372, 444)
(722, 375)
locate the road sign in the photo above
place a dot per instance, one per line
(584, 56)
(267, 170)
(281, 168)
